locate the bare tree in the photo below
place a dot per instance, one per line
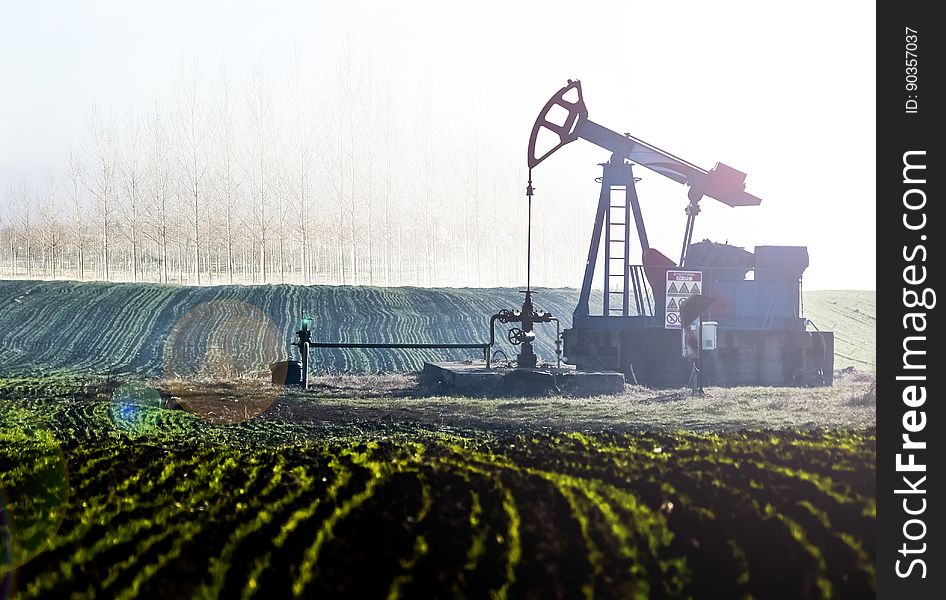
(77, 210)
(259, 103)
(102, 184)
(13, 235)
(390, 216)
(302, 154)
(428, 216)
(283, 213)
(8, 226)
(192, 159)
(27, 221)
(331, 126)
(50, 230)
(229, 182)
(160, 195)
(132, 185)
(350, 85)
(340, 129)
(369, 201)
(468, 208)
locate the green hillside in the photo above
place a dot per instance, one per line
(163, 330)
(852, 316)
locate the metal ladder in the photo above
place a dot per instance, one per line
(617, 255)
(614, 219)
(621, 279)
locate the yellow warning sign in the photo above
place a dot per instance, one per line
(672, 289)
(684, 289)
(695, 289)
(672, 305)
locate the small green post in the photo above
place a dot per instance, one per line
(305, 338)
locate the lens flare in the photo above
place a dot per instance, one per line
(135, 409)
(217, 359)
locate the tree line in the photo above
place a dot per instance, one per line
(254, 183)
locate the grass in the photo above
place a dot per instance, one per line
(852, 316)
(355, 491)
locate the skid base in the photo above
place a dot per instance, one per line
(476, 380)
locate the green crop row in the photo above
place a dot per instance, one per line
(183, 508)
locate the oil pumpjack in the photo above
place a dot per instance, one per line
(759, 336)
(705, 319)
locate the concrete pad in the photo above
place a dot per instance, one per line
(591, 383)
(475, 379)
(462, 378)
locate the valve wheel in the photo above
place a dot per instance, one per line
(515, 336)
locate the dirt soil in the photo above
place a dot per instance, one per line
(350, 399)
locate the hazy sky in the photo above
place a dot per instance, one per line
(782, 91)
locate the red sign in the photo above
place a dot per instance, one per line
(684, 276)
